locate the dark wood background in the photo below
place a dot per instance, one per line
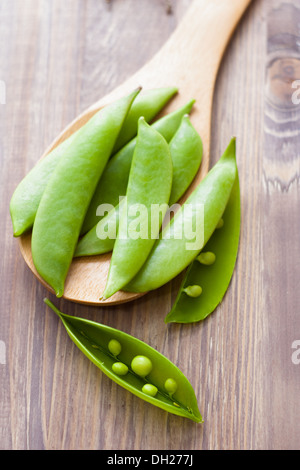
(56, 59)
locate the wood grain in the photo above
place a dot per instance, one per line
(58, 59)
(281, 221)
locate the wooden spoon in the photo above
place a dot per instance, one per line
(189, 60)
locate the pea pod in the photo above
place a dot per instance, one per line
(26, 197)
(101, 238)
(114, 180)
(186, 153)
(213, 270)
(126, 359)
(67, 195)
(191, 227)
(149, 186)
(147, 104)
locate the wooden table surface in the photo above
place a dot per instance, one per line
(56, 59)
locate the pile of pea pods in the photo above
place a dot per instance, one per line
(82, 199)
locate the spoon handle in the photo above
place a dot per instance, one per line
(190, 60)
(192, 54)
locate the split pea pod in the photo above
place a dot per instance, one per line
(134, 365)
(212, 270)
(189, 230)
(68, 193)
(148, 193)
(114, 180)
(186, 153)
(27, 195)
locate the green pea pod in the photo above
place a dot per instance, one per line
(101, 238)
(69, 191)
(126, 359)
(186, 153)
(114, 180)
(147, 104)
(26, 197)
(213, 270)
(191, 227)
(148, 191)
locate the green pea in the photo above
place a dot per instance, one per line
(220, 223)
(149, 185)
(173, 250)
(150, 389)
(141, 365)
(119, 368)
(171, 386)
(114, 180)
(92, 339)
(193, 291)
(67, 195)
(207, 258)
(215, 281)
(114, 347)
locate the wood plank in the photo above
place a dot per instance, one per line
(59, 57)
(281, 221)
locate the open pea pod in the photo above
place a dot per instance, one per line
(134, 365)
(186, 234)
(186, 152)
(210, 273)
(27, 195)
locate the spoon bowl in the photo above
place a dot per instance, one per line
(190, 61)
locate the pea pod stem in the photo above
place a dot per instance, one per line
(93, 339)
